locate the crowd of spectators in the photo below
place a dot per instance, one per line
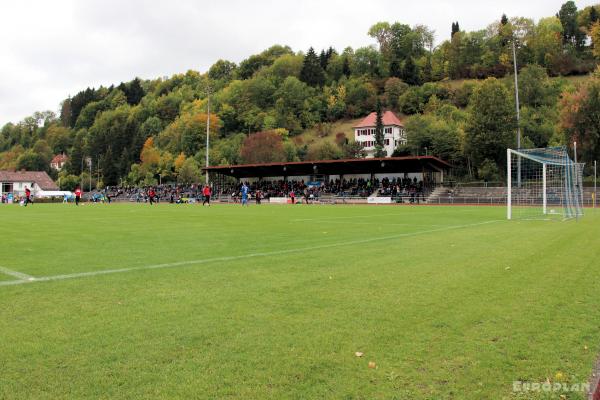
(402, 189)
(398, 188)
(170, 193)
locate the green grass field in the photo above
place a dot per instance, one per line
(272, 302)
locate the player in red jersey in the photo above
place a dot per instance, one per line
(151, 195)
(78, 194)
(206, 192)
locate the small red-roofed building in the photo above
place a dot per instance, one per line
(58, 162)
(393, 133)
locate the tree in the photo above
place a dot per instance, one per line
(455, 29)
(593, 15)
(134, 92)
(222, 70)
(149, 156)
(491, 126)
(323, 151)
(110, 170)
(189, 172)
(179, 160)
(292, 101)
(547, 43)
(346, 67)
(595, 35)
(382, 32)
(568, 19)
(580, 119)
(353, 150)
(31, 161)
(393, 89)
(410, 72)
(263, 147)
(379, 137)
(59, 138)
(312, 73)
(42, 149)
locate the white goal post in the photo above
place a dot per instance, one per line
(543, 184)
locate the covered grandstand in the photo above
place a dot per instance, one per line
(346, 178)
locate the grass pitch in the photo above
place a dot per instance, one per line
(272, 302)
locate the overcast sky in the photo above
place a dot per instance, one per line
(50, 49)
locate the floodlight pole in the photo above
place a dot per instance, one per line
(207, 130)
(508, 185)
(518, 111)
(91, 160)
(517, 96)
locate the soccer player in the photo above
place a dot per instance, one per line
(206, 192)
(258, 196)
(78, 194)
(151, 194)
(244, 194)
(27, 196)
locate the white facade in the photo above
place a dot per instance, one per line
(393, 135)
(18, 188)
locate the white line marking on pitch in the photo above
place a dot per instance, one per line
(372, 223)
(234, 258)
(16, 274)
(345, 217)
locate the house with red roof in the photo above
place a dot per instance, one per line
(393, 133)
(58, 162)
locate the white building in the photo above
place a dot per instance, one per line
(16, 182)
(393, 133)
(58, 162)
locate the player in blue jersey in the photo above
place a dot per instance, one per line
(244, 193)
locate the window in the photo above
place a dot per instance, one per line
(388, 130)
(387, 142)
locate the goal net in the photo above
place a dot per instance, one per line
(543, 184)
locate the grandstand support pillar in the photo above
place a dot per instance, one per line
(508, 186)
(544, 191)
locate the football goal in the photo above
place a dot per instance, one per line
(543, 184)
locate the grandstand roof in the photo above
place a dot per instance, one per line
(335, 167)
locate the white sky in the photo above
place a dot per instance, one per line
(50, 49)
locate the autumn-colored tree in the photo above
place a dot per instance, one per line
(595, 35)
(178, 163)
(263, 147)
(149, 156)
(580, 119)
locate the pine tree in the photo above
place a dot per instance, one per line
(395, 70)
(428, 71)
(504, 19)
(346, 67)
(593, 15)
(135, 92)
(323, 59)
(455, 29)
(379, 139)
(110, 174)
(312, 73)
